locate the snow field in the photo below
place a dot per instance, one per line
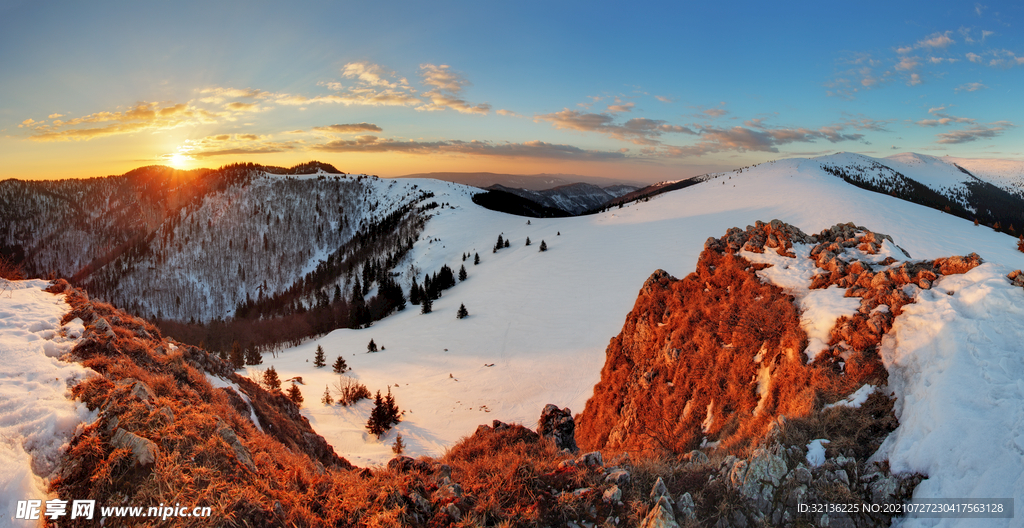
(544, 319)
(37, 416)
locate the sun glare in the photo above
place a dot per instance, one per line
(178, 160)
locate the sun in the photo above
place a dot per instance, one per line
(177, 160)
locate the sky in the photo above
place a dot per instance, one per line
(648, 91)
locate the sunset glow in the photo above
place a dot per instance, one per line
(662, 92)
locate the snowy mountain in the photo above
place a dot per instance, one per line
(574, 198)
(540, 322)
(939, 183)
(196, 246)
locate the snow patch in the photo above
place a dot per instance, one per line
(956, 369)
(38, 418)
(856, 399)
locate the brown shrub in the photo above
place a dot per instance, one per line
(350, 391)
(9, 270)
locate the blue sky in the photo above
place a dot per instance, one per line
(651, 91)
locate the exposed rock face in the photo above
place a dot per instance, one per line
(558, 425)
(719, 355)
(680, 370)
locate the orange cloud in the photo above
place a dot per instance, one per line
(142, 116)
(447, 87)
(641, 131)
(350, 128)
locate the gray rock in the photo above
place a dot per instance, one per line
(419, 502)
(619, 477)
(241, 452)
(758, 478)
(144, 451)
(661, 515)
(592, 458)
(558, 425)
(454, 511)
(698, 457)
(802, 475)
(660, 490)
(686, 507)
(102, 327)
(883, 489)
(612, 494)
(450, 490)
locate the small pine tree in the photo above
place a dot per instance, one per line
(543, 245)
(237, 358)
(1020, 244)
(463, 312)
(371, 346)
(462, 273)
(463, 257)
(476, 259)
(295, 395)
(558, 234)
(426, 306)
(378, 424)
(399, 446)
(340, 367)
(319, 359)
(391, 412)
(270, 379)
(527, 241)
(507, 243)
(327, 399)
(975, 221)
(253, 356)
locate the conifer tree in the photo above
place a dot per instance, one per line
(415, 293)
(327, 399)
(270, 379)
(463, 312)
(527, 241)
(500, 243)
(378, 423)
(371, 346)
(237, 358)
(340, 367)
(391, 411)
(253, 356)
(399, 446)
(462, 273)
(426, 306)
(295, 395)
(543, 245)
(476, 259)
(319, 359)
(1020, 244)
(506, 242)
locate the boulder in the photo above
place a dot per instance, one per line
(558, 425)
(144, 451)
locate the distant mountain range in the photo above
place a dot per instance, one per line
(531, 182)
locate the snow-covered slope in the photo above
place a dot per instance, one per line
(1006, 174)
(543, 320)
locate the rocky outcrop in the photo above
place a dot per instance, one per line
(679, 373)
(558, 425)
